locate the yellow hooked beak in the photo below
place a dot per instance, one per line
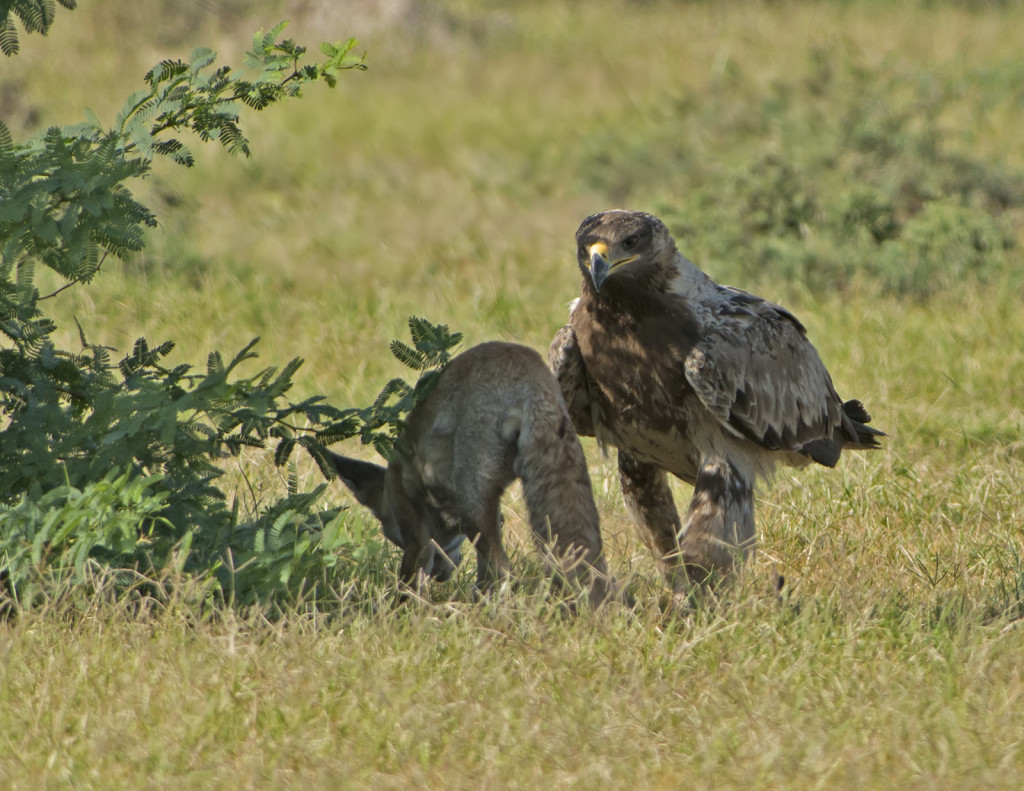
(600, 267)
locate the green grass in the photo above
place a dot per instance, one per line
(447, 182)
(512, 696)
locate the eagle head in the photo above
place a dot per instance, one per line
(623, 241)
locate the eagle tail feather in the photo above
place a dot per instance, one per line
(858, 433)
(855, 410)
(824, 451)
(852, 434)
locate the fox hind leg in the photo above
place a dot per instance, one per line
(483, 527)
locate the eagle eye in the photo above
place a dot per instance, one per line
(581, 251)
(630, 242)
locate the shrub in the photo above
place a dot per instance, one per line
(120, 463)
(849, 178)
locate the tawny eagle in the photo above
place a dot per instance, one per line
(683, 375)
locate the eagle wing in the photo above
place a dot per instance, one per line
(566, 362)
(757, 373)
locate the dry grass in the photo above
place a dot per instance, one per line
(831, 693)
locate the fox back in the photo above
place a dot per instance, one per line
(495, 414)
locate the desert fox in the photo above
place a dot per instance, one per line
(495, 414)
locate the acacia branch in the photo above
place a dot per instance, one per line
(77, 280)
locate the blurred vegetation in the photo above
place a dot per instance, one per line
(881, 200)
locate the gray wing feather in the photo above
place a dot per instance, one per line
(755, 370)
(566, 362)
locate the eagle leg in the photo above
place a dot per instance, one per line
(649, 500)
(719, 528)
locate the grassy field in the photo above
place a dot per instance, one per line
(859, 162)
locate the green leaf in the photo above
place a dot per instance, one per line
(320, 457)
(274, 32)
(340, 430)
(395, 387)
(135, 100)
(407, 355)
(233, 140)
(26, 274)
(202, 58)
(6, 142)
(8, 37)
(245, 354)
(283, 451)
(92, 119)
(165, 70)
(214, 363)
